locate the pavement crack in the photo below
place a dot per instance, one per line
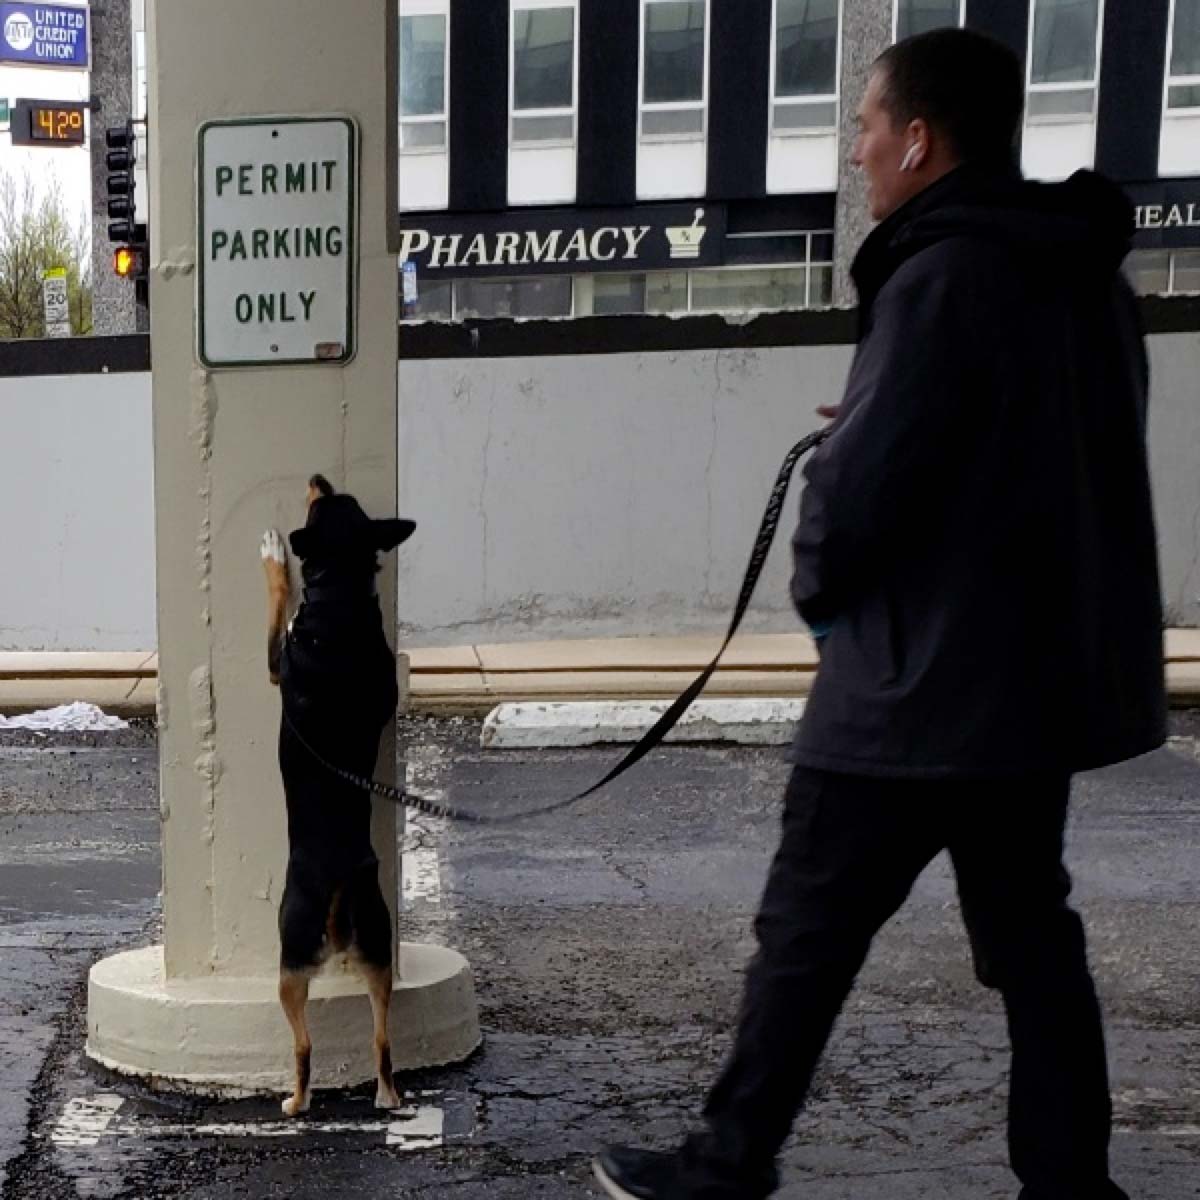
(619, 869)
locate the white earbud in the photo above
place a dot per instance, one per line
(907, 162)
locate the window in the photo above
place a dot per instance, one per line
(1064, 60)
(920, 16)
(777, 270)
(748, 290)
(674, 68)
(651, 292)
(1164, 272)
(805, 68)
(543, 72)
(540, 296)
(423, 49)
(1185, 271)
(434, 302)
(1183, 78)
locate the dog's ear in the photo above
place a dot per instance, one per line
(302, 541)
(388, 534)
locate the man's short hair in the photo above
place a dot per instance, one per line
(966, 85)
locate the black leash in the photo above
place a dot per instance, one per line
(659, 730)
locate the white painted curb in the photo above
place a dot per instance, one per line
(746, 722)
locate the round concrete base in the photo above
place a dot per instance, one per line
(228, 1036)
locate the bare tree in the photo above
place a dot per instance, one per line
(36, 235)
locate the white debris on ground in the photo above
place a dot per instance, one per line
(79, 717)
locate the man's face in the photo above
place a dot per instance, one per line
(880, 149)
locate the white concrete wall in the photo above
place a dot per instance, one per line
(77, 505)
(612, 494)
(1175, 468)
(597, 495)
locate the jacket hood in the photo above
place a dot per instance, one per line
(1084, 226)
(339, 529)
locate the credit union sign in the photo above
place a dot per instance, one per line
(276, 241)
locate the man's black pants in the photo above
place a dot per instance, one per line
(851, 849)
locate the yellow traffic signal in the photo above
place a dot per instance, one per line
(125, 262)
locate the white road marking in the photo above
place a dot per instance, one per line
(85, 1120)
(421, 868)
(1159, 1105)
(424, 1130)
(1172, 1131)
(420, 861)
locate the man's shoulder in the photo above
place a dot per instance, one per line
(957, 259)
(957, 274)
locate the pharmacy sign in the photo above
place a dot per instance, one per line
(277, 241)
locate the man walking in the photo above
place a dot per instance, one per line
(976, 553)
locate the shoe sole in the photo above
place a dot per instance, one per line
(610, 1185)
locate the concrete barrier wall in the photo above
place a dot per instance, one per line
(1175, 466)
(601, 495)
(557, 497)
(77, 505)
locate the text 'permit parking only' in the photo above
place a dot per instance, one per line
(276, 241)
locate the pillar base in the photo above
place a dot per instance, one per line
(224, 1035)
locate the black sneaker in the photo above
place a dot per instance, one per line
(627, 1173)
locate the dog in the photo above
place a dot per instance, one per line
(337, 680)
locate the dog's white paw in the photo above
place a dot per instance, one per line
(293, 1106)
(387, 1098)
(272, 548)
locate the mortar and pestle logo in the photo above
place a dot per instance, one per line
(685, 239)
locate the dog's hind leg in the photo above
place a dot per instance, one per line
(293, 995)
(379, 988)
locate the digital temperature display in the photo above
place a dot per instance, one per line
(48, 123)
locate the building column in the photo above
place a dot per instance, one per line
(234, 448)
(866, 33)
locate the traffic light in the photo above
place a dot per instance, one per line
(129, 262)
(120, 160)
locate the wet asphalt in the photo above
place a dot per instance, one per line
(608, 943)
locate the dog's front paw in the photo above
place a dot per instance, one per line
(293, 1106)
(272, 547)
(386, 1097)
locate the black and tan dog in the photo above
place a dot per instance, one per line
(337, 678)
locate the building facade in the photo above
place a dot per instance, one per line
(586, 157)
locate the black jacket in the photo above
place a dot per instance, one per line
(977, 533)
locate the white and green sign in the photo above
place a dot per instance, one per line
(55, 304)
(277, 241)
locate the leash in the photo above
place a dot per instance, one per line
(655, 734)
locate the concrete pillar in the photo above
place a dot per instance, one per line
(866, 33)
(234, 448)
(113, 305)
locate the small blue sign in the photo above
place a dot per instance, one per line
(44, 35)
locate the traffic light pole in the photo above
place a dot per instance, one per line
(114, 303)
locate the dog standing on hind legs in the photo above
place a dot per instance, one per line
(337, 680)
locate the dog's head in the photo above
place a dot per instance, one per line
(337, 529)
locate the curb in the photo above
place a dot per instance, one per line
(745, 722)
(474, 680)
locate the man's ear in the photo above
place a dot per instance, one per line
(928, 141)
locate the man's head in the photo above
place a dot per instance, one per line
(933, 102)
